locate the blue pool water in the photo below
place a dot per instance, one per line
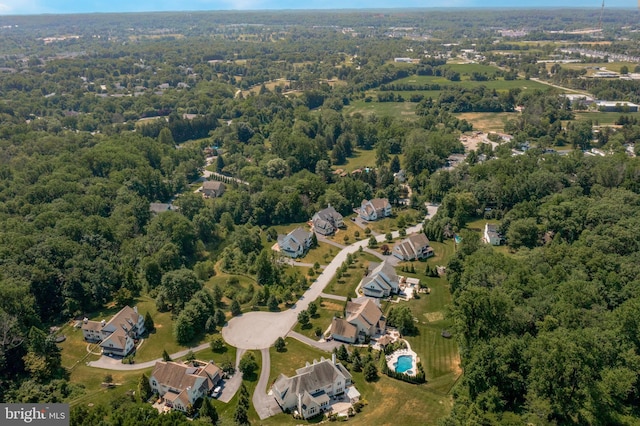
(404, 364)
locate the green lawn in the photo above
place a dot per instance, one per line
(323, 254)
(602, 117)
(346, 286)
(499, 84)
(404, 110)
(327, 309)
(349, 230)
(361, 158)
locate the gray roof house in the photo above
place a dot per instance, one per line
(414, 247)
(213, 189)
(325, 222)
(117, 336)
(309, 392)
(295, 243)
(382, 281)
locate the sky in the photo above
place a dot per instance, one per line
(27, 7)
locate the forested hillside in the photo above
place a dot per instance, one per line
(549, 331)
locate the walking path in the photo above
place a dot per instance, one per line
(333, 296)
(323, 346)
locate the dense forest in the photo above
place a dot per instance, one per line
(95, 127)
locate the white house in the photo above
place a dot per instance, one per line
(491, 235)
(363, 318)
(377, 208)
(414, 247)
(116, 337)
(181, 385)
(327, 221)
(295, 243)
(309, 392)
(382, 281)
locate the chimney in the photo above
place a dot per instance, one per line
(300, 403)
(333, 358)
(135, 309)
(85, 320)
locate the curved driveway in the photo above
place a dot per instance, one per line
(259, 330)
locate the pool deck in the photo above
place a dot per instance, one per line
(392, 359)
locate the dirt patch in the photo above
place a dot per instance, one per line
(434, 316)
(331, 306)
(455, 366)
(472, 142)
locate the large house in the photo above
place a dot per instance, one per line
(181, 385)
(116, 337)
(491, 235)
(363, 318)
(309, 392)
(414, 247)
(327, 221)
(295, 243)
(213, 189)
(377, 208)
(381, 281)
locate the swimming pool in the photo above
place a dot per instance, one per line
(404, 363)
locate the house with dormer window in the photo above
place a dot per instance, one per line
(118, 335)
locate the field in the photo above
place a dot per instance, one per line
(403, 110)
(487, 121)
(602, 117)
(499, 85)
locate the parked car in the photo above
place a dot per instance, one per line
(216, 392)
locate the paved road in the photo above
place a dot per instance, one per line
(265, 404)
(232, 385)
(109, 363)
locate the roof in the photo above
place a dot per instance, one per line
(411, 246)
(383, 275)
(300, 234)
(343, 328)
(92, 325)
(180, 376)
(379, 203)
(368, 311)
(213, 185)
(118, 338)
(329, 214)
(310, 377)
(159, 207)
(127, 318)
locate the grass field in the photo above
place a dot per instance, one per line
(349, 230)
(499, 84)
(361, 158)
(403, 110)
(487, 121)
(602, 117)
(347, 285)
